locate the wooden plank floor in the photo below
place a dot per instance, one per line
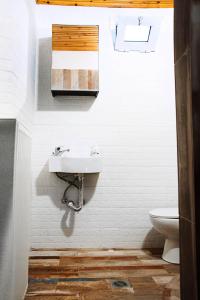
(89, 274)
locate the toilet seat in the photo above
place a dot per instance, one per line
(167, 213)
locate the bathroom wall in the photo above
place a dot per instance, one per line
(17, 60)
(133, 122)
(17, 92)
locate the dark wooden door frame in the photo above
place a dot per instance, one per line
(187, 75)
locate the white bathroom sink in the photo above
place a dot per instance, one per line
(76, 159)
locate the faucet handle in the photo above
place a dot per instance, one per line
(60, 149)
(95, 150)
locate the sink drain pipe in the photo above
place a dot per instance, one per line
(78, 183)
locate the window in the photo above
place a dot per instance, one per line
(137, 33)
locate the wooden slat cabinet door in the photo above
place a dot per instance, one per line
(75, 67)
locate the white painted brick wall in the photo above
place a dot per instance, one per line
(17, 91)
(133, 122)
(17, 60)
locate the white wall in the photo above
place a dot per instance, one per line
(17, 92)
(133, 122)
(17, 60)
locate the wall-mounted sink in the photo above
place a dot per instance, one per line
(76, 159)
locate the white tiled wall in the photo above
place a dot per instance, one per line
(133, 122)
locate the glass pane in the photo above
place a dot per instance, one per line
(137, 33)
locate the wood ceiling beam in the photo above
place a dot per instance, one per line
(112, 3)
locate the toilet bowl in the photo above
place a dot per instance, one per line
(166, 221)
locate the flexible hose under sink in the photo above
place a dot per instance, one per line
(77, 183)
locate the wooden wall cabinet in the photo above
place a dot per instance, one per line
(75, 61)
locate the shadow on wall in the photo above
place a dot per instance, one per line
(45, 100)
(48, 184)
(151, 239)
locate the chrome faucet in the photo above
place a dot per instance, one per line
(60, 150)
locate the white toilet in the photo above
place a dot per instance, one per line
(166, 221)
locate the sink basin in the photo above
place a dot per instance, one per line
(76, 159)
